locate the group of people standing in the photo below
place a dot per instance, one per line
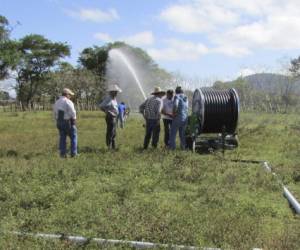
(174, 111)
(173, 108)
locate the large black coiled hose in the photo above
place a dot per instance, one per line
(217, 110)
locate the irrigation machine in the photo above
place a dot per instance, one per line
(213, 122)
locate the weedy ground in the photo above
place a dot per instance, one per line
(156, 195)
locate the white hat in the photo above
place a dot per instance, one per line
(157, 90)
(67, 91)
(114, 87)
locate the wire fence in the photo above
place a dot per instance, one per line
(10, 106)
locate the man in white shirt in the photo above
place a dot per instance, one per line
(110, 106)
(167, 116)
(65, 116)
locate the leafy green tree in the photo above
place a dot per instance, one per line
(96, 59)
(57, 79)
(83, 82)
(4, 95)
(38, 56)
(8, 49)
(4, 30)
(295, 67)
(87, 87)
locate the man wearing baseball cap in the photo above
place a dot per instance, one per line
(65, 116)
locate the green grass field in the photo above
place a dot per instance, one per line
(156, 195)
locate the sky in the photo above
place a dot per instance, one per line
(204, 39)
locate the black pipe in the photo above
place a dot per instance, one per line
(217, 110)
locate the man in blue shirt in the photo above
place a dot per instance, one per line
(180, 116)
(121, 115)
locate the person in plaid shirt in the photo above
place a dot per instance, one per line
(151, 110)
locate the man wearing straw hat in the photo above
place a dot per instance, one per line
(151, 110)
(110, 106)
(65, 116)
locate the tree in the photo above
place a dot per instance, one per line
(4, 30)
(38, 56)
(8, 49)
(94, 59)
(295, 67)
(58, 79)
(83, 82)
(97, 60)
(4, 95)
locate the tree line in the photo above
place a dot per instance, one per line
(40, 72)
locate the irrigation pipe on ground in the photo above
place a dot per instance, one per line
(84, 240)
(292, 200)
(287, 194)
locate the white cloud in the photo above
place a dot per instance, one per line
(140, 39)
(94, 15)
(231, 50)
(178, 50)
(197, 17)
(237, 28)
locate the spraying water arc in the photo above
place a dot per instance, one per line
(119, 54)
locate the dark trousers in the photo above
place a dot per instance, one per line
(152, 130)
(167, 127)
(111, 123)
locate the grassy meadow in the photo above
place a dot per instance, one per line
(155, 195)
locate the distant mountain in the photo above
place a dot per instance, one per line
(265, 92)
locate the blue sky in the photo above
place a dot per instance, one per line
(205, 39)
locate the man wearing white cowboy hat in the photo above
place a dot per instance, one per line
(110, 106)
(65, 115)
(151, 110)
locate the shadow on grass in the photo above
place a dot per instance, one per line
(140, 150)
(32, 155)
(8, 153)
(92, 150)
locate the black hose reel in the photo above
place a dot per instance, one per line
(215, 111)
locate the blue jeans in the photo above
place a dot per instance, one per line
(178, 125)
(120, 120)
(66, 129)
(152, 130)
